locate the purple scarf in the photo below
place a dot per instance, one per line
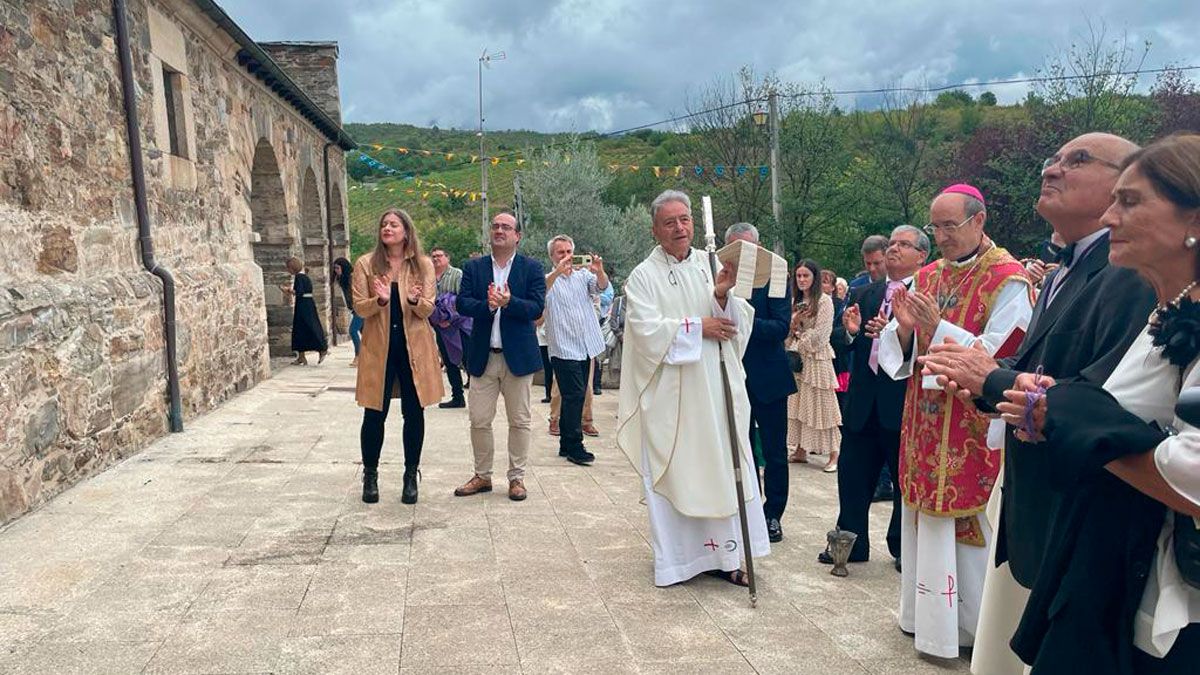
(452, 335)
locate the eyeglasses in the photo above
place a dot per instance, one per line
(900, 243)
(930, 228)
(1076, 159)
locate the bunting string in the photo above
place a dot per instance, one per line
(676, 171)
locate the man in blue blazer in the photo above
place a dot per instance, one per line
(769, 382)
(503, 293)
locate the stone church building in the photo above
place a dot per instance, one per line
(242, 153)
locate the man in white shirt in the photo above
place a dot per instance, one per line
(573, 337)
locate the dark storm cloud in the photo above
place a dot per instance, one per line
(608, 64)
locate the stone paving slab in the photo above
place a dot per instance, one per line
(241, 545)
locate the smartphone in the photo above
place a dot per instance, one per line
(581, 260)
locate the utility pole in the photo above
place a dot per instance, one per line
(485, 59)
(773, 111)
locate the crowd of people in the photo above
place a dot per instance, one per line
(1019, 415)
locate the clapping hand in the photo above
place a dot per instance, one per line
(414, 293)
(382, 289)
(493, 297)
(852, 319)
(876, 325)
(498, 296)
(960, 370)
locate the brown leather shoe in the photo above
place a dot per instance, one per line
(554, 428)
(516, 490)
(474, 486)
(589, 429)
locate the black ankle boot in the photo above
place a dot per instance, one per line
(370, 485)
(408, 494)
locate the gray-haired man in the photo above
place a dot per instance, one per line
(573, 337)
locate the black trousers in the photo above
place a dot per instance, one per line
(769, 419)
(453, 372)
(371, 435)
(572, 382)
(862, 456)
(547, 369)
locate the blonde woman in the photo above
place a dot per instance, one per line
(307, 333)
(394, 291)
(813, 414)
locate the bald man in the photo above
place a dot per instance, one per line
(1086, 317)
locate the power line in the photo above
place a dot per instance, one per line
(852, 92)
(965, 85)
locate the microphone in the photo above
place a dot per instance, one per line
(1187, 408)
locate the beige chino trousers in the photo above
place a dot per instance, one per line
(497, 380)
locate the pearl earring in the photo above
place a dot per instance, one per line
(1190, 242)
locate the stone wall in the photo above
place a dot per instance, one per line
(82, 364)
(313, 65)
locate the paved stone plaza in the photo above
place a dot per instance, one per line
(241, 546)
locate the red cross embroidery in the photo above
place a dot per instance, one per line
(949, 592)
(711, 545)
(687, 325)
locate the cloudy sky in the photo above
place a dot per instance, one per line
(577, 65)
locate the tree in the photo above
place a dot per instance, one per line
(562, 192)
(893, 152)
(814, 156)
(1177, 101)
(987, 98)
(1091, 87)
(459, 240)
(723, 132)
(955, 98)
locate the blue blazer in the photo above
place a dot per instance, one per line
(768, 376)
(527, 283)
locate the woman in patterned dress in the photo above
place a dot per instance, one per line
(813, 414)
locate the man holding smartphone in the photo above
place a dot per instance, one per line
(573, 336)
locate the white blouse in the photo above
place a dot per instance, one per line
(1145, 384)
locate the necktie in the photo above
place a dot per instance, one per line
(1065, 255)
(886, 309)
(1065, 258)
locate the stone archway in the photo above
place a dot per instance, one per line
(341, 249)
(316, 250)
(272, 244)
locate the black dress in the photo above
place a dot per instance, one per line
(307, 334)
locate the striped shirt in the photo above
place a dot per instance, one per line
(572, 330)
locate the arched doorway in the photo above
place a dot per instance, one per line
(341, 248)
(273, 244)
(316, 251)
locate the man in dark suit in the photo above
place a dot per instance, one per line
(769, 382)
(875, 402)
(1086, 317)
(504, 294)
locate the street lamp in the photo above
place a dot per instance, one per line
(485, 59)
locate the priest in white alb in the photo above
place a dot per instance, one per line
(673, 423)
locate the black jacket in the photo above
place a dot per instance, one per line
(869, 390)
(1079, 617)
(768, 376)
(1082, 336)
